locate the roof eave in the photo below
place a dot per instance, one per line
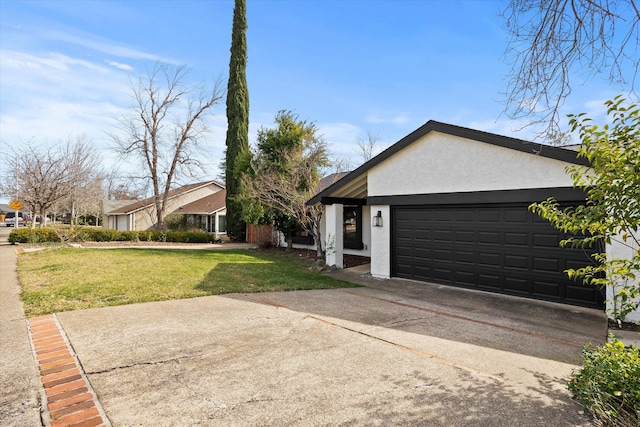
(529, 147)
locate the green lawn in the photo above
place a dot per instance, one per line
(66, 279)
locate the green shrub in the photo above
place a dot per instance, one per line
(94, 234)
(36, 235)
(608, 384)
(179, 222)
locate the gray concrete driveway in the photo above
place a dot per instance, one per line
(380, 355)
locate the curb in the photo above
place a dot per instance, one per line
(68, 399)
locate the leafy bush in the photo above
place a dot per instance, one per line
(179, 222)
(36, 235)
(91, 234)
(609, 384)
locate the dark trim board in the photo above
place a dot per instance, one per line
(561, 194)
(343, 201)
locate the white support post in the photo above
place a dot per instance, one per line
(381, 242)
(334, 237)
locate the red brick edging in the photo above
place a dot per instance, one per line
(69, 398)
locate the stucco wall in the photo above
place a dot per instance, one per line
(617, 249)
(441, 163)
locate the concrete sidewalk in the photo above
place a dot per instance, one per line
(19, 385)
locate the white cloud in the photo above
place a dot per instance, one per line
(53, 96)
(124, 67)
(341, 136)
(105, 46)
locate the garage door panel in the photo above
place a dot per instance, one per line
(441, 216)
(546, 240)
(467, 278)
(465, 236)
(465, 216)
(489, 237)
(489, 281)
(548, 290)
(489, 216)
(499, 248)
(546, 264)
(574, 264)
(516, 285)
(443, 255)
(515, 216)
(580, 292)
(444, 274)
(466, 257)
(516, 238)
(489, 260)
(442, 236)
(517, 261)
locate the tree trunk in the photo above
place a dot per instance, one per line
(43, 218)
(317, 237)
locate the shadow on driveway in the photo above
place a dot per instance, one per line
(534, 328)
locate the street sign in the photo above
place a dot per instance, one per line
(16, 204)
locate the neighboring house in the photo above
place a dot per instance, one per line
(112, 205)
(211, 211)
(449, 205)
(4, 208)
(204, 200)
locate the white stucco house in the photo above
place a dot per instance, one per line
(204, 201)
(449, 205)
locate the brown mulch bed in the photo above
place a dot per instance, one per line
(349, 260)
(626, 326)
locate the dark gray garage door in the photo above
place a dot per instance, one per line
(496, 248)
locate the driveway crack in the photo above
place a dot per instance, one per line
(133, 365)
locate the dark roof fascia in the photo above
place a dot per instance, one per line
(529, 147)
(342, 201)
(202, 213)
(528, 195)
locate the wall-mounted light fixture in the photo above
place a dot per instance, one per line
(376, 221)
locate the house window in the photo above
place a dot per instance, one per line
(352, 227)
(302, 237)
(222, 223)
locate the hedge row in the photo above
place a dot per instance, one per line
(88, 234)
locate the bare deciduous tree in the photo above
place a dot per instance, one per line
(119, 186)
(367, 148)
(552, 40)
(87, 199)
(49, 175)
(165, 127)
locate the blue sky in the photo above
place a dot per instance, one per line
(351, 66)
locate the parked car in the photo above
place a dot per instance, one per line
(9, 219)
(46, 219)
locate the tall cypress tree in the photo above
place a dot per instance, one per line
(237, 120)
